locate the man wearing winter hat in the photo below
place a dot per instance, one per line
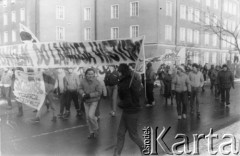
(226, 81)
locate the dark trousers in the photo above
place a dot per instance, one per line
(128, 123)
(149, 90)
(194, 95)
(72, 95)
(6, 93)
(63, 101)
(212, 84)
(217, 90)
(225, 95)
(181, 100)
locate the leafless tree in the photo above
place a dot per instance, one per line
(226, 30)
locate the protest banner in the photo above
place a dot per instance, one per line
(71, 54)
(29, 88)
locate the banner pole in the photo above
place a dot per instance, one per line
(144, 72)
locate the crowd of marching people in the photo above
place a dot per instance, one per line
(185, 82)
(181, 84)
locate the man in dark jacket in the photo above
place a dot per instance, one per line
(226, 81)
(129, 102)
(150, 78)
(111, 81)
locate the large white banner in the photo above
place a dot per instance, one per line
(68, 54)
(29, 88)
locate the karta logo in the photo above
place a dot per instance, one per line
(153, 140)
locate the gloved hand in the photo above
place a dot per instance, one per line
(189, 93)
(86, 96)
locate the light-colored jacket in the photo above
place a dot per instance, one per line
(6, 79)
(181, 83)
(72, 82)
(196, 79)
(93, 88)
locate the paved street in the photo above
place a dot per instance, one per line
(69, 137)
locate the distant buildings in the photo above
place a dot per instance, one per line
(168, 25)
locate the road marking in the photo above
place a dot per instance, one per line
(47, 133)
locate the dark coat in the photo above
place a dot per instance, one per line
(129, 96)
(225, 79)
(111, 78)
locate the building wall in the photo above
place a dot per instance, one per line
(48, 21)
(27, 5)
(88, 23)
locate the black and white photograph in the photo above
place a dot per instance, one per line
(119, 77)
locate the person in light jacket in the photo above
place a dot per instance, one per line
(181, 87)
(90, 89)
(196, 81)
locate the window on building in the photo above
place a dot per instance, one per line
(189, 35)
(60, 12)
(114, 33)
(196, 16)
(134, 31)
(87, 34)
(215, 4)
(196, 57)
(196, 36)
(214, 58)
(114, 11)
(190, 14)
(206, 39)
(5, 19)
(13, 36)
(182, 34)
(13, 16)
(183, 12)
(207, 19)
(134, 9)
(22, 14)
(230, 6)
(224, 43)
(60, 33)
(214, 40)
(169, 8)
(215, 20)
(208, 3)
(206, 57)
(4, 2)
(5, 37)
(234, 9)
(87, 14)
(225, 6)
(168, 32)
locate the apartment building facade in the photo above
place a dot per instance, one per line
(55, 20)
(12, 13)
(168, 25)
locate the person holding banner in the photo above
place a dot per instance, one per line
(6, 81)
(150, 78)
(61, 89)
(111, 81)
(72, 84)
(128, 91)
(90, 89)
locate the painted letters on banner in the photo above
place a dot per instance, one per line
(67, 54)
(29, 89)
